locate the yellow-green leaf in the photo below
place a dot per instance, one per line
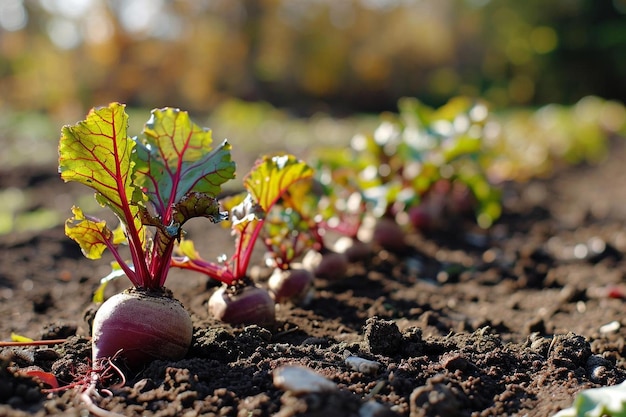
(187, 248)
(272, 176)
(91, 234)
(19, 338)
(97, 152)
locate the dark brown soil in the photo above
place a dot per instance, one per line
(513, 321)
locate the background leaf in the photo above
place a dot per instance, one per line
(91, 234)
(272, 176)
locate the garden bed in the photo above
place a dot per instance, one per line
(513, 321)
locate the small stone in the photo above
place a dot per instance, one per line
(362, 365)
(454, 362)
(374, 409)
(598, 369)
(301, 380)
(611, 327)
(434, 400)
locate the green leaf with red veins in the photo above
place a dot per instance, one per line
(98, 153)
(175, 158)
(271, 178)
(198, 205)
(192, 205)
(91, 234)
(268, 181)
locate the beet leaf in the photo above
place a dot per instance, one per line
(162, 179)
(270, 179)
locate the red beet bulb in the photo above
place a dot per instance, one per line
(144, 325)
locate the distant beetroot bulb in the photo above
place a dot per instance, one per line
(247, 305)
(420, 218)
(354, 249)
(332, 266)
(292, 284)
(389, 235)
(462, 200)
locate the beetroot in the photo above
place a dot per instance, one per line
(445, 203)
(243, 305)
(354, 249)
(292, 284)
(389, 235)
(329, 265)
(420, 217)
(164, 331)
(153, 183)
(271, 179)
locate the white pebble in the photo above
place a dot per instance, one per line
(301, 380)
(362, 365)
(611, 327)
(372, 409)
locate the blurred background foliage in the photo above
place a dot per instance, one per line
(340, 57)
(293, 74)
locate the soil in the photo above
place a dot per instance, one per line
(513, 321)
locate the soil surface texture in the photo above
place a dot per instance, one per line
(513, 321)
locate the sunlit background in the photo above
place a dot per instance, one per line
(308, 55)
(283, 72)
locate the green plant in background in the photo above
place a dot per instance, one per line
(527, 143)
(432, 167)
(444, 153)
(418, 158)
(239, 300)
(341, 205)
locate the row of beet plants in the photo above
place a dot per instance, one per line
(420, 168)
(426, 169)
(154, 183)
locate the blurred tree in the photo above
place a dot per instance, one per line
(341, 56)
